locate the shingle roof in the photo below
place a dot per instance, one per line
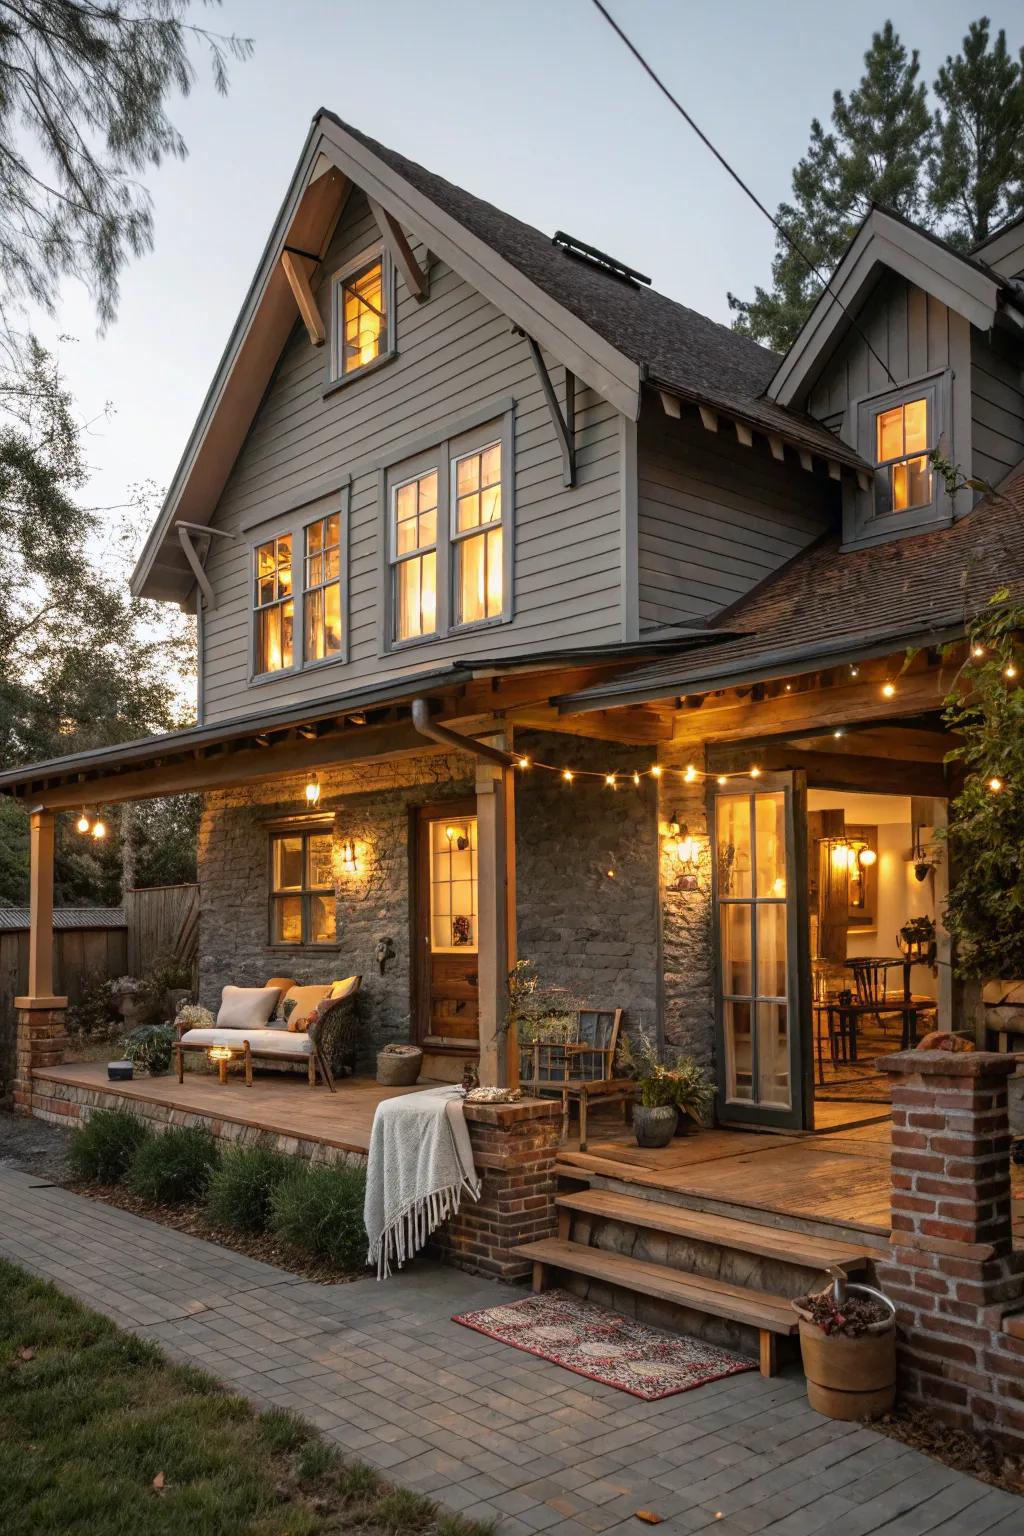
(681, 350)
(15, 919)
(827, 599)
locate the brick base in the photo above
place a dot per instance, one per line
(514, 1146)
(40, 1041)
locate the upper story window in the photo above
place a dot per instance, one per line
(903, 480)
(414, 556)
(274, 605)
(302, 906)
(477, 536)
(321, 597)
(362, 315)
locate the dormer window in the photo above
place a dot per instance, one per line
(903, 480)
(363, 304)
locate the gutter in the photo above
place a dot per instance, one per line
(426, 726)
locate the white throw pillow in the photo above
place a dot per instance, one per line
(305, 1000)
(246, 1007)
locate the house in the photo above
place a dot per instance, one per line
(541, 616)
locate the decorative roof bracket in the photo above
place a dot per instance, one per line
(195, 560)
(417, 278)
(565, 426)
(293, 264)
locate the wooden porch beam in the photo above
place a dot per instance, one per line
(640, 726)
(417, 280)
(496, 882)
(297, 272)
(42, 835)
(833, 770)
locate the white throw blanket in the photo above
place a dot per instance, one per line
(420, 1162)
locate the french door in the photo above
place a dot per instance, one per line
(763, 992)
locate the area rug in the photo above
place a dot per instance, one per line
(604, 1346)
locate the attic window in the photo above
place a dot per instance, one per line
(903, 434)
(362, 323)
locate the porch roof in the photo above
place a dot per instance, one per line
(829, 604)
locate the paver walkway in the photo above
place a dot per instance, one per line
(488, 1430)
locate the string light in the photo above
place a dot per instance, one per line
(567, 775)
(690, 774)
(995, 784)
(524, 762)
(755, 772)
(838, 733)
(609, 779)
(888, 690)
(636, 778)
(854, 671)
(977, 651)
(656, 771)
(722, 780)
(1010, 670)
(617, 778)
(83, 823)
(99, 829)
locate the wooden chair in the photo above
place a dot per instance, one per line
(588, 1068)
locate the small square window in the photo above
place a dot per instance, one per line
(362, 322)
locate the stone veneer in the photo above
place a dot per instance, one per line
(688, 968)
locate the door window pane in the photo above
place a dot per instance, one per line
(771, 949)
(453, 884)
(773, 1054)
(737, 960)
(739, 1051)
(770, 814)
(734, 845)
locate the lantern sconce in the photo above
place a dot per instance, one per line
(313, 790)
(686, 850)
(348, 856)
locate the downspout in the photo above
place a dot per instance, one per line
(425, 725)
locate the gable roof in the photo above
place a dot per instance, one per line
(850, 604)
(613, 334)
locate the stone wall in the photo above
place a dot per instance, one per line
(688, 979)
(371, 806)
(587, 870)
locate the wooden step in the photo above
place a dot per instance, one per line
(820, 1253)
(772, 1316)
(567, 1171)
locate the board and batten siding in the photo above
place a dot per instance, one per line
(456, 353)
(715, 518)
(997, 408)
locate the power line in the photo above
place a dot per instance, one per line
(738, 179)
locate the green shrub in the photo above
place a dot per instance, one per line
(149, 1047)
(320, 1211)
(175, 1167)
(241, 1187)
(103, 1149)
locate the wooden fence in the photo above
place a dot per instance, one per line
(163, 922)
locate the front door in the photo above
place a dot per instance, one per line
(445, 927)
(761, 936)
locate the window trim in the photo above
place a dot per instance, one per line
(295, 522)
(378, 251)
(441, 458)
(304, 829)
(863, 523)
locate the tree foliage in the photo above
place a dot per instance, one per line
(961, 166)
(985, 909)
(83, 94)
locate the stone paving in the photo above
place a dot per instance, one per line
(488, 1430)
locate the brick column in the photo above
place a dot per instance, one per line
(951, 1271)
(39, 1042)
(514, 1147)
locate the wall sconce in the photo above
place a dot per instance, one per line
(457, 838)
(866, 857)
(687, 853)
(348, 856)
(313, 790)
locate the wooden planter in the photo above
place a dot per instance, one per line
(849, 1378)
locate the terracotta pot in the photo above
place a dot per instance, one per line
(654, 1126)
(394, 1071)
(849, 1378)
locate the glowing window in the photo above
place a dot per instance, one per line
(362, 318)
(414, 556)
(322, 589)
(274, 605)
(904, 478)
(477, 536)
(453, 884)
(302, 909)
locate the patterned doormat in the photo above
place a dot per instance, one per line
(604, 1346)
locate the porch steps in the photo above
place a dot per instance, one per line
(717, 1267)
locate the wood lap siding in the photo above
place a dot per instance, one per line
(997, 409)
(456, 352)
(908, 329)
(715, 519)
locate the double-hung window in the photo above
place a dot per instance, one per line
(903, 442)
(414, 556)
(362, 316)
(477, 536)
(302, 906)
(321, 595)
(274, 605)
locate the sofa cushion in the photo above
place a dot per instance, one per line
(300, 1002)
(246, 1007)
(339, 989)
(263, 1042)
(284, 985)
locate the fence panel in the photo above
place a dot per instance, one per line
(161, 923)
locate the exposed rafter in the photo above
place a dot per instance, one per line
(297, 267)
(417, 278)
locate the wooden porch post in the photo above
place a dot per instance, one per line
(40, 1015)
(496, 877)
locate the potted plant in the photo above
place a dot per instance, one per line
(149, 1048)
(848, 1347)
(674, 1094)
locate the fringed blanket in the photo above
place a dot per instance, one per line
(420, 1162)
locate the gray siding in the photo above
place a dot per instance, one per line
(908, 329)
(997, 408)
(715, 518)
(455, 353)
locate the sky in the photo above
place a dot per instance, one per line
(533, 104)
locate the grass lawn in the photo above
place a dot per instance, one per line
(100, 1433)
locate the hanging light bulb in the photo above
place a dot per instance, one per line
(655, 770)
(838, 733)
(313, 790)
(83, 823)
(636, 778)
(609, 779)
(755, 772)
(977, 651)
(690, 774)
(888, 690)
(722, 779)
(567, 775)
(866, 857)
(995, 784)
(854, 671)
(524, 762)
(99, 830)
(1010, 670)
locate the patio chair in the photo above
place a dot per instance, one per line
(583, 1070)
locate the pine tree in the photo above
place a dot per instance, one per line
(880, 137)
(977, 169)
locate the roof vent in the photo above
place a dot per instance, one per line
(595, 258)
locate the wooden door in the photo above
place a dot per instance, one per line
(763, 994)
(445, 927)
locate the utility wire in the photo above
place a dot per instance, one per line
(738, 179)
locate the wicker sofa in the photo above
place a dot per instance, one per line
(255, 1025)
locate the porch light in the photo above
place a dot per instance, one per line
(348, 856)
(99, 830)
(313, 790)
(83, 823)
(686, 849)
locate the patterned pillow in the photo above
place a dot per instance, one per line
(305, 1000)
